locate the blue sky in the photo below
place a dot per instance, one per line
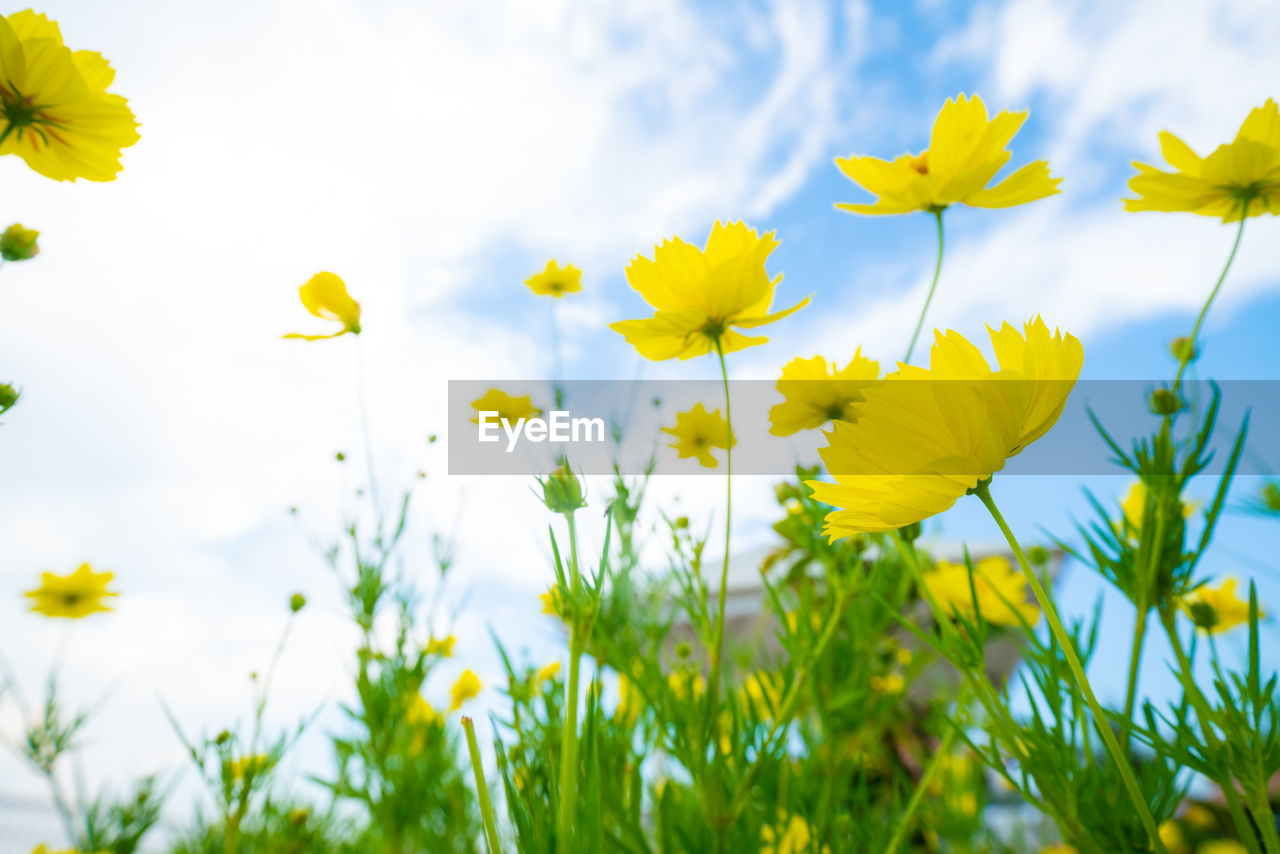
(435, 159)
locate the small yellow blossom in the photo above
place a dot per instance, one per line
(763, 690)
(792, 835)
(441, 646)
(1172, 837)
(509, 408)
(246, 768)
(1239, 179)
(630, 702)
(55, 111)
(325, 295)
(890, 683)
(1060, 848)
(1200, 816)
(1219, 610)
(466, 688)
(556, 281)
(548, 671)
(18, 243)
(700, 295)
(697, 432)
(72, 596)
(552, 604)
(815, 392)
(1222, 846)
(965, 152)
(922, 437)
(686, 684)
(421, 712)
(1000, 587)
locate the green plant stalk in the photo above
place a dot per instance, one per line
(569, 737)
(904, 822)
(983, 491)
(1205, 715)
(937, 269)
(482, 789)
(1184, 358)
(1135, 661)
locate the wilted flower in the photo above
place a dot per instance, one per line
(509, 407)
(18, 243)
(72, 596)
(921, 438)
(325, 295)
(815, 392)
(697, 432)
(55, 111)
(1239, 179)
(1219, 610)
(466, 688)
(1001, 591)
(965, 152)
(700, 295)
(556, 281)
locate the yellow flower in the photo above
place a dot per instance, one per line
(630, 702)
(421, 712)
(55, 111)
(509, 407)
(249, 767)
(1060, 848)
(922, 438)
(549, 671)
(815, 392)
(1000, 587)
(1239, 178)
(1172, 837)
(552, 604)
(466, 688)
(555, 281)
(965, 152)
(794, 839)
(18, 243)
(697, 432)
(762, 690)
(72, 596)
(700, 294)
(441, 646)
(1200, 816)
(1218, 610)
(890, 683)
(41, 849)
(1222, 846)
(686, 684)
(325, 295)
(1135, 499)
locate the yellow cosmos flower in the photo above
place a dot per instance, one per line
(1001, 591)
(1219, 610)
(686, 684)
(791, 836)
(249, 767)
(72, 596)
(890, 683)
(815, 392)
(1172, 837)
(549, 671)
(1222, 846)
(1239, 179)
(55, 111)
(466, 688)
(630, 702)
(509, 407)
(921, 438)
(965, 152)
(762, 690)
(441, 646)
(421, 712)
(701, 295)
(552, 605)
(556, 281)
(697, 432)
(325, 295)
(1133, 504)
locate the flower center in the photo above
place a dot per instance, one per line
(19, 114)
(920, 163)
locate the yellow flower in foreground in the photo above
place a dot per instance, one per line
(509, 407)
(815, 392)
(18, 243)
(1001, 589)
(552, 605)
(325, 295)
(1172, 837)
(699, 295)
(419, 716)
(466, 688)
(441, 646)
(1218, 610)
(72, 596)
(556, 281)
(965, 152)
(921, 438)
(1239, 178)
(548, 671)
(55, 111)
(792, 836)
(697, 432)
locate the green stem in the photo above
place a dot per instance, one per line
(556, 372)
(1205, 715)
(1135, 661)
(904, 822)
(937, 269)
(1184, 357)
(983, 491)
(482, 789)
(569, 737)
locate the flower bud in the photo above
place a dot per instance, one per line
(1038, 555)
(1204, 615)
(297, 602)
(8, 397)
(1165, 401)
(1271, 497)
(18, 243)
(1183, 350)
(562, 491)
(223, 737)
